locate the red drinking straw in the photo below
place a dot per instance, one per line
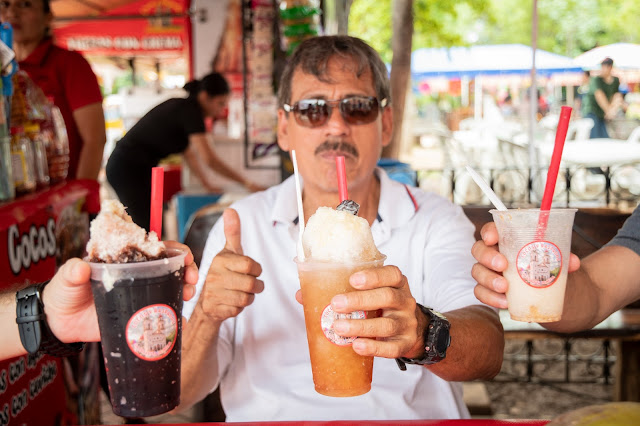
(342, 178)
(157, 185)
(554, 167)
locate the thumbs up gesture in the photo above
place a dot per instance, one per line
(232, 281)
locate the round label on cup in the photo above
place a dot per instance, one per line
(327, 319)
(539, 263)
(151, 332)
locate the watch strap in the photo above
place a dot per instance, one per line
(29, 317)
(432, 334)
(35, 334)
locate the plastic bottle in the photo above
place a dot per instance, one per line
(7, 191)
(22, 160)
(61, 163)
(32, 131)
(57, 152)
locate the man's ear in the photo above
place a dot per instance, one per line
(283, 134)
(387, 125)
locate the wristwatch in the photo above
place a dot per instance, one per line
(35, 334)
(436, 338)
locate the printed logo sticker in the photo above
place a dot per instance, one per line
(151, 332)
(329, 317)
(539, 263)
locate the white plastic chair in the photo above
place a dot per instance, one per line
(580, 129)
(634, 137)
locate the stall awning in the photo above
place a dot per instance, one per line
(123, 27)
(456, 62)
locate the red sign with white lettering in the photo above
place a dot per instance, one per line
(37, 233)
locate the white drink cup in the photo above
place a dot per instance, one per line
(538, 261)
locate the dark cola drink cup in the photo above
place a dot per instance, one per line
(139, 308)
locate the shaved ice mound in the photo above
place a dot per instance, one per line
(338, 236)
(116, 239)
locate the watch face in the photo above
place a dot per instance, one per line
(442, 340)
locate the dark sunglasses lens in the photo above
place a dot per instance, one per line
(359, 110)
(312, 113)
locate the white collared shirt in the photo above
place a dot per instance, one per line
(264, 368)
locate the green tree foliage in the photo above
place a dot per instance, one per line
(567, 27)
(436, 22)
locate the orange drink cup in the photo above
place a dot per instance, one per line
(337, 370)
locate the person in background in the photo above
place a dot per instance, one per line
(175, 126)
(63, 75)
(599, 285)
(604, 99)
(246, 331)
(68, 305)
(582, 92)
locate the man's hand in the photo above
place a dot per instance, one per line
(68, 300)
(492, 286)
(395, 332)
(232, 281)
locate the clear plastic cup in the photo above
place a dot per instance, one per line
(537, 261)
(337, 370)
(139, 308)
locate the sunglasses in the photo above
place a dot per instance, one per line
(353, 109)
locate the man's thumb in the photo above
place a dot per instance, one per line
(76, 272)
(232, 231)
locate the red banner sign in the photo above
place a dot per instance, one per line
(147, 26)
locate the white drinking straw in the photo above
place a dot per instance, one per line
(486, 189)
(299, 248)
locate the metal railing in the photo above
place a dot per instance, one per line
(617, 186)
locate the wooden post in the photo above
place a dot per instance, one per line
(627, 371)
(402, 17)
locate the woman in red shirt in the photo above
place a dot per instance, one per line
(64, 75)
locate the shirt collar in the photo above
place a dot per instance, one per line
(39, 53)
(396, 207)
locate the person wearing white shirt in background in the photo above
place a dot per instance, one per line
(246, 331)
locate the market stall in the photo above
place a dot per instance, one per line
(39, 232)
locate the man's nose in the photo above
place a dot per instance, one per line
(336, 122)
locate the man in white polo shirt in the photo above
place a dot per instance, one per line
(246, 331)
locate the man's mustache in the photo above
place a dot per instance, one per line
(337, 146)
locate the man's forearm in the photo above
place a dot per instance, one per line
(581, 305)
(477, 345)
(606, 281)
(199, 358)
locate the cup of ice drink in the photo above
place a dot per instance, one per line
(137, 287)
(336, 244)
(538, 261)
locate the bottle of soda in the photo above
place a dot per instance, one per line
(32, 131)
(61, 168)
(22, 161)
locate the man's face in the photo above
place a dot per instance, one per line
(605, 70)
(27, 18)
(317, 147)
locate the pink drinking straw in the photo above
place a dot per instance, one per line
(554, 167)
(342, 178)
(157, 188)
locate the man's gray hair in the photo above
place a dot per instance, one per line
(312, 57)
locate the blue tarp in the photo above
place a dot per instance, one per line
(456, 62)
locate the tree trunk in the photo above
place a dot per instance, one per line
(402, 17)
